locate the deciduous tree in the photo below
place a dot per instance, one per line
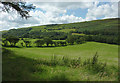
(22, 8)
(12, 40)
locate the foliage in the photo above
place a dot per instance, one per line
(48, 41)
(70, 39)
(21, 7)
(39, 42)
(103, 39)
(27, 42)
(80, 40)
(5, 42)
(12, 40)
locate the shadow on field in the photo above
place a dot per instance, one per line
(11, 46)
(49, 46)
(17, 68)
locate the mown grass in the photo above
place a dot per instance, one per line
(70, 63)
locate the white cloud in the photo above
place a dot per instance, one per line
(62, 5)
(106, 11)
(13, 20)
(50, 14)
(67, 19)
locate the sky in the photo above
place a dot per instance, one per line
(59, 13)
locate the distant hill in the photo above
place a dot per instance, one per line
(108, 25)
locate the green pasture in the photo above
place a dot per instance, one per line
(107, 53)
(23, 64)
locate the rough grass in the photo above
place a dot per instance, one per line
(54, 64)
(106, 52)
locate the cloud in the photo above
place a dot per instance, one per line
(56, 13)
(67, 19)
(105, 11)
(13, 20)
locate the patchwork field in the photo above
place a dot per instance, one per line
(34, 63)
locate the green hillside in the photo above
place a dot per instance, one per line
(106, 24)
(105, 31)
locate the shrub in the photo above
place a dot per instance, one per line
(94, 65)
(75, 62)
(54, 60)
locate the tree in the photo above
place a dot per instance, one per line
(12, 40)
(27, 43)
(109, 40)
(22, 44)
(51, 43)
(80, 40)
(63, 43)
(21, 7)
(39, 42)
(70, 40)
(58, 43)
(88, 38)
(55, 43)
(48, 41)
(5, 42)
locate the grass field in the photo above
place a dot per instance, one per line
(24, 63)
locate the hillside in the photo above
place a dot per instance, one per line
(106, 28)
(106, 24)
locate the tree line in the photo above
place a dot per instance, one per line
(103, 36)
(103, 39)
(71, 40)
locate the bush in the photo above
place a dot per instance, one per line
(94, 65)
(54, 60)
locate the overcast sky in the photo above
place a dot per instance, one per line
(59, 13)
